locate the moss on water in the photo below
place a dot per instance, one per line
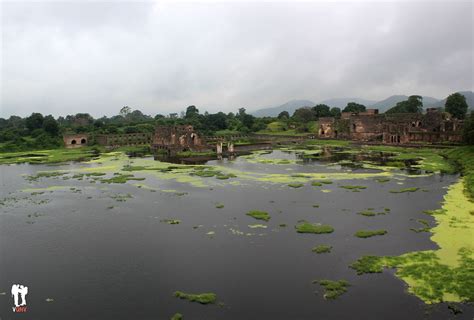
(370, 233)
(202, 298)
(322, 248)
(333, 289)
(295, 185)
(219, 206)
(353, 188)
(413, 189)
(121, 178)
(259, 215)
(171, 221)
(317, 228)
(177, 316)
(443, 275)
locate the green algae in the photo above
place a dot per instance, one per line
(202, 298)
(49, 156)
(382, 180)
(322, 248)
(353, 188)
(371, 213)
(316, 184)
(426, 226)
(219, 206)
(121, 178)
(333, 289)
(121, 197)
(45, 174)
(177, 316)
(259, 215)
(413, 189)
(439, 275)
(171, 221)
(317, 228)
(370, 233)
(295, 185)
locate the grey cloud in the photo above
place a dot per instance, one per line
(63, 58)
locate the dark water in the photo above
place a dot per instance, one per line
(123, 263)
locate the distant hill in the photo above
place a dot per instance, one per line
(289, 106)
(440, 103)
(342, 102)
(391, 101)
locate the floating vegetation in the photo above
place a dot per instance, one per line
(315, 205)
(413, 189)
(171, 221)
(177, 316)
(306, 227)
(282, 225)
(259, 215)
(210, 233)
(219, 205)
(121, 178)
(382, 180)
(295, 185)
(121, 197)
(49, 300)
(322, 248)
(203, 298)
(435, 212)
(370, 233)
(45, 174)
(333, 289)
(426, 226)
(353, 188)
(326, 181)
(370, 212)
(316, 184)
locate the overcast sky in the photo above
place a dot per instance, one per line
(63, 58)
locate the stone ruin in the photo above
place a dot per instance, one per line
(402, 128)
(75, 140)
(179, 138)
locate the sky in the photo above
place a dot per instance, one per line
(159, 57)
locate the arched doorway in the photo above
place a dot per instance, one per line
(73, 141)
(83, 141)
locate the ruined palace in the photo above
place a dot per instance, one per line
(432, 127)
(178, 138)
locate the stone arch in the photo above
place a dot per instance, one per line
(73, 141)
(83, 141)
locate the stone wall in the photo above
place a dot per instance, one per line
(126, 139)
(75, 140)
(432, 127)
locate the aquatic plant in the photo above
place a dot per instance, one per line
(368, 264)
(316, 184)
(413, 189)
(295, 185)
(382, 180)
(259, 215)
(322, 248)
(203, 298)
(333, 289)
(121, 178)
(370, 212)
(255, 226)
(171, 221)
(219, 206)
(426, 226)
(370, 233)
(306, 227)
(353, 188)
(45, 174)
(177, 316)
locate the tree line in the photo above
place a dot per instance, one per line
(42, 132)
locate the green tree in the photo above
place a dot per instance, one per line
(414, 104)
(284, 115)
(124, 112)
(304, 115)
(50, 125)
(456, 105)
(321, 110)
(354, 107)
(191, 112)
(35, 121)
(335, 112)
